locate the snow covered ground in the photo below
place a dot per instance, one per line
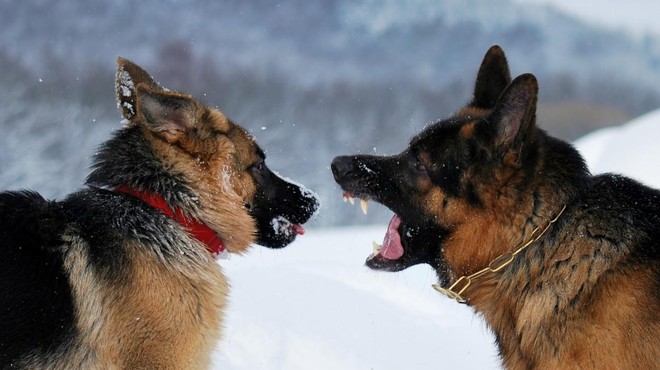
(315, 306)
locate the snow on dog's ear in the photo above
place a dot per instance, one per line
(128, 76)
(169, 115)
(493, 77)
(515, 112)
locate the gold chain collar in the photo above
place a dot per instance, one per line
(456, 290)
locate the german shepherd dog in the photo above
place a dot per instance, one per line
(123, 274)
(564, 266)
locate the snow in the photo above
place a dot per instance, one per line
(639, 17)
(129, 106)
(125, 82)
(377, 17)
(281, 226)
(314, 305)
(630, 150)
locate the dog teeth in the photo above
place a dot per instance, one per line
(376, 247)
(348, 198)
(364, 204)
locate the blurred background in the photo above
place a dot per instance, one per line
(311, 79)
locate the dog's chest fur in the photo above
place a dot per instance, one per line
(146, 295)
(571, 291)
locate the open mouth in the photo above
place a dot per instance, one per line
(390, 254)
(413, 236)
(406, 243)
(392, 248)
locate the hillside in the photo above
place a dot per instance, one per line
(310, 79)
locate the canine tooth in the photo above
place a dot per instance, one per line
(376, 247)
(364, 204)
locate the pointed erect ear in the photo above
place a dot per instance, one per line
(492, 79)
(168, 115)
(515, 112)
(128, 76)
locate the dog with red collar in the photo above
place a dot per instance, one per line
(123, 274)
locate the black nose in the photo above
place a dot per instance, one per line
(341, 166)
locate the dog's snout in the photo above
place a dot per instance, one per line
(341, 166)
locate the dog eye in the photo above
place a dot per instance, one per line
(259, 166)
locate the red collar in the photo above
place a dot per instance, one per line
(198, 230)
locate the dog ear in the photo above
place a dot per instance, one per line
(167, 114)
(493, 77)
(128, 76)
(515, 111)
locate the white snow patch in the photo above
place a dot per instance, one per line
(281, 226)
(224, 255)
(125, 90)
(631, 150)
(125, 83)
(129, 106)
(314, 305)
(225, 180)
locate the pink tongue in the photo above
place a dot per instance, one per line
(392, 248)
(298, 229)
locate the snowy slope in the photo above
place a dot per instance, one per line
(314, 305)
(632, 149)
(639, 17)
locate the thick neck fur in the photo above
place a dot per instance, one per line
(507, 299)
(128, 160)
(580, 297)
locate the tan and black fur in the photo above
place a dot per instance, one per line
(474, 186)
(103, 280)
